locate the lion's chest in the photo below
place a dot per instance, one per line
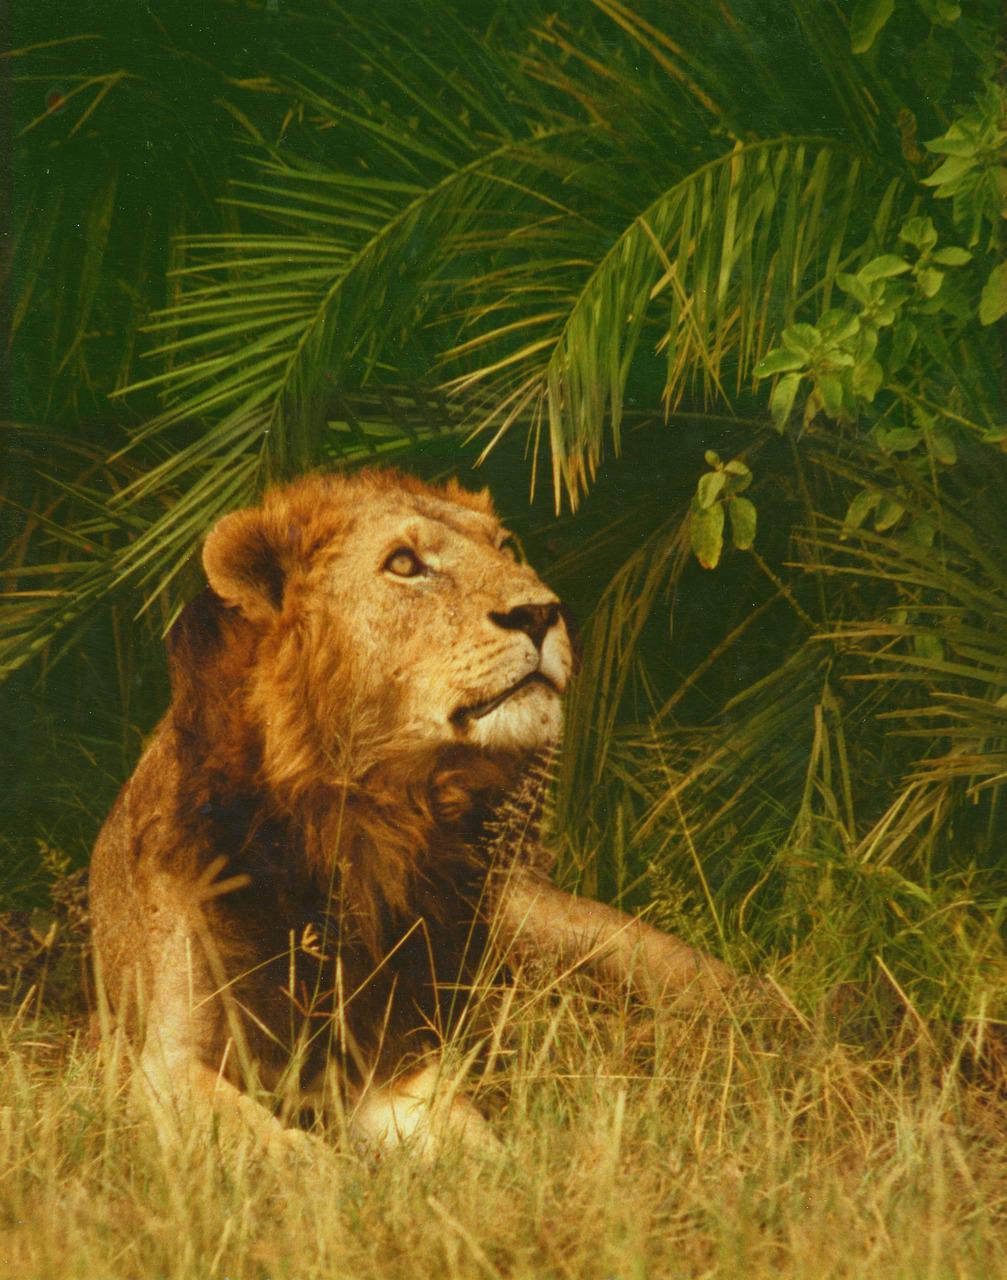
(312, 983)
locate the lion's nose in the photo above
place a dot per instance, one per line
(534, 620)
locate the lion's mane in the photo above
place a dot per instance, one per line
(363, 880)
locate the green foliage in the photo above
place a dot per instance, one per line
(869, 17)
(720, 491)
(846, 359)
(838, 356)
(973, 176)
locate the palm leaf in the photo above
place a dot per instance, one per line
(329, 301)
(712, 252)
(90, 552)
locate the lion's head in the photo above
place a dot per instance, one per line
(381, 614)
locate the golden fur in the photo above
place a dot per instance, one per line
(294, 879)
(329, 761)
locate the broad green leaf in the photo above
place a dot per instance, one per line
(837, 325)
(743, 520)
(882, 267)
(737, 468)
(952, 169)
(897, 439)
(778, 361)
(737, 482)
(782, 401)
(861, 507)
(868, 376)
(885, 316)
(993, 303)
(707, 534)
(801, 339)
(830, 388)
(956, 142)
(709, 487)
(952, 256)
(919, 232)
(869, 16)
(854, 286)
(942, 447)
(930, 280)
(712, 458)
(890, 512)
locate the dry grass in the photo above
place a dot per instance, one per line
(635, 1144)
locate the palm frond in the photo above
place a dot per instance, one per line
(713, 265)
(936, 641)
(91, 551)
(264, 324)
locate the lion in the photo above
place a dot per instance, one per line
(298, 883)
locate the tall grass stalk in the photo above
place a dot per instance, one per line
(633, 1144)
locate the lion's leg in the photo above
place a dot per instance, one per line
(422, 1111)
(186, 1028)
(189, 1089)
(534, 918)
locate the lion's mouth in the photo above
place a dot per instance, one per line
(463, 715)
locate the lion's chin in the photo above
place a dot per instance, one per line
(528, 721)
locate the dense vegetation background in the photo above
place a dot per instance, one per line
(710, 291)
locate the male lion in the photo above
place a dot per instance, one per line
(296, 879)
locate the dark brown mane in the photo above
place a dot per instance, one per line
(389, 857)
(388, 823)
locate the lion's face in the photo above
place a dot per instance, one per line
(471, 640)
(397, 609)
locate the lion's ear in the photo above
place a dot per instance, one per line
(244, 564)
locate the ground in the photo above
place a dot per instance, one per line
(633, 1144)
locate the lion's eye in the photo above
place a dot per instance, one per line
(404, 563)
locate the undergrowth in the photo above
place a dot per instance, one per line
(634, 1143)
